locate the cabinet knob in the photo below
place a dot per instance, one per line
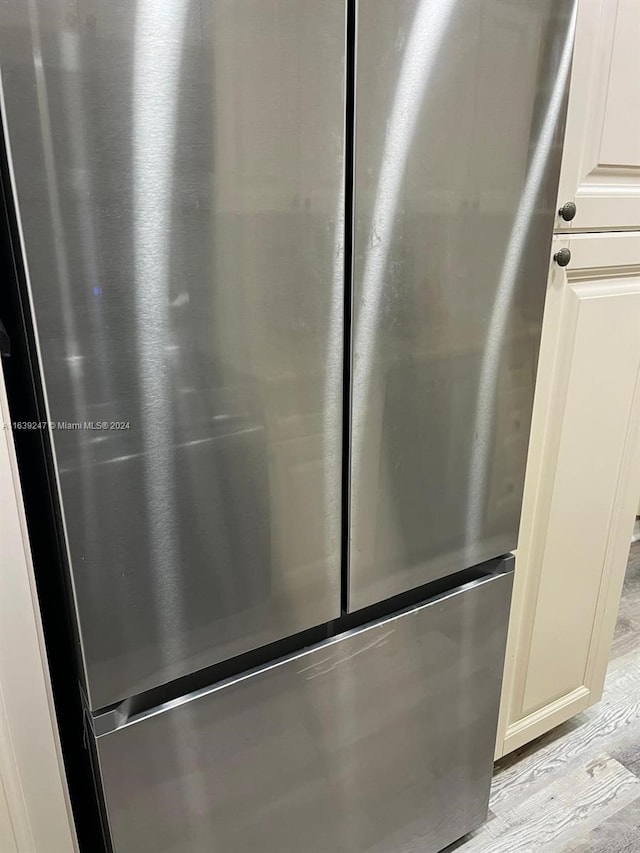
(562, 257)
(567, 211)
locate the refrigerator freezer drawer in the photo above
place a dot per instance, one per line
(378, 741)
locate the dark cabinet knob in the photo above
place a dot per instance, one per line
(562, 257)
(567, 211)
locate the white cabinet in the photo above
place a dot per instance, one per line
(581, 487)
(601, 157)
(35, 813)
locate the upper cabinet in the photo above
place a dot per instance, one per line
(601, 160)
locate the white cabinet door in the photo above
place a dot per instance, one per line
(581, 488)
(601, 160)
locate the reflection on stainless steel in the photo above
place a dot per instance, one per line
(157, 54)
(500, 313)
(73, 353)
(378, 741)
(459, 112)
(72, 350)
(186, 162)
(158, 46)
(423, 44)
(88, 244)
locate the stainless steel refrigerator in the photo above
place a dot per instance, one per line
(283, 266)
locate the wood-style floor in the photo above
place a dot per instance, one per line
(577, 789)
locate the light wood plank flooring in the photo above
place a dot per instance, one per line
(577, 788)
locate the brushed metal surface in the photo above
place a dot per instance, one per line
(380, 741)
(459, 119)
(178, 169)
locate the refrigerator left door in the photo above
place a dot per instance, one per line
(178, 171)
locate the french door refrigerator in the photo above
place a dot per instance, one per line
(281, 268)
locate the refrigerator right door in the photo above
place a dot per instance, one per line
(460, 108)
